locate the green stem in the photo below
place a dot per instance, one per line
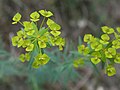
(39, 49)
(21, 23)
(33, 40)
(42, 22)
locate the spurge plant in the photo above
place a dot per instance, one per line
(104, 49)
(34, 38)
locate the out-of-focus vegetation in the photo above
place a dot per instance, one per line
(58, 74)
(77, 17)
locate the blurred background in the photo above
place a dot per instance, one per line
(77, 17)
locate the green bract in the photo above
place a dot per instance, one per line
(20, 42)
(96, 57)
(107, 30)
(78, 62)
(34, 16)
(42, 41)
(24, 57)
(21, 34)
(110, 70)
(96, 46)
(116, 44)
(118, 29)
(117, 58)
(28, 27)
(46, 13)
(95, 60)
(50, 21)
(16, 18)
(35, 39)
(30, 47)
(110, 52)
(105, 37)
(40, 60)
(54, 27)
(15, 40)
(117, 36)
(60, 43)
(88, 38)
(83, 50)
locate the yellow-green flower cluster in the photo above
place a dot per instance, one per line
(31, 37)
(103, 49)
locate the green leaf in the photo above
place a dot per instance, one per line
(34, 26)
(110, 52)
(107, 30)
(46, 13)
(110, 70)
(48, 45)
(103, 57)
(34, 16)
(42, 31)
(16, 18)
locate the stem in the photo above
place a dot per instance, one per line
(39, 49)
(21, 23)
(107, 63)
(33, 40)
(42, 22)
